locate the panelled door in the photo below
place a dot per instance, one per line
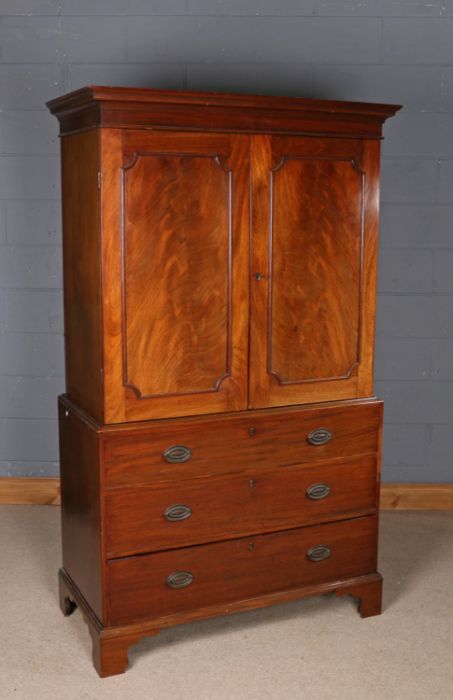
(314, 235)
(175, 221)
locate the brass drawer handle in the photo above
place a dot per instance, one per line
(319, 437)
(318, 491)
(179, 579)
(177, 454)
(318, 553)
(177, 512)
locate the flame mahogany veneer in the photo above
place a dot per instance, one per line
(219, 438)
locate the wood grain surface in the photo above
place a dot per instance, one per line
(81, 508)
(82, 271)
(177, 273)
(118, 107)
(236, 443)
(315, 269)
(176, 290)
(29, 490)
(313, 245)
(228, 571)
(236, 505)
(111, 643)
(417, 496)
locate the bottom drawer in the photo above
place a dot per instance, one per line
(154, 585)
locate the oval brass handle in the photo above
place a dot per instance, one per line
(318, 553)
(177, 512)
(177, 454)
(318, 491)
(319, 437)
(179, 579)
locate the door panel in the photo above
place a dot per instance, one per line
(177, 266)
(314, 269)
(183, 243)
(314, 214)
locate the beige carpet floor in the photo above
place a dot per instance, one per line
(314, 649)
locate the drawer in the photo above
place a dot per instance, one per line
(185, 448)
(178, 514)
(177, 581)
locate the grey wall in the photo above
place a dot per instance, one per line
(376, 50)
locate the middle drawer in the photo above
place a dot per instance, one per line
(181, 513)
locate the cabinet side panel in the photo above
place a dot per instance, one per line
(111, 158)
(371, 166)
(81, 263)
(80, 506)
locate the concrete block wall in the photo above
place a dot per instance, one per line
(377, 50)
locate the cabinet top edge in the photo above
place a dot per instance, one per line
(101, 93)
(119, 106)
(139, 425)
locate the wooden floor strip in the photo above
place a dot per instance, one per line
(41, 491)
(417, 497)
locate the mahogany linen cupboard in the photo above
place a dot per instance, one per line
(219, 439)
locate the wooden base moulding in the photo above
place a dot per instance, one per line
(111, 644)
(45, 491)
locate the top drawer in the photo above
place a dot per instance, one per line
(192, 447)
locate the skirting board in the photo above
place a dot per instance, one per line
(417, 497)
(26, 490)
(46, 491)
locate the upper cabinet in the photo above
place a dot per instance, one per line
(219, 250)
